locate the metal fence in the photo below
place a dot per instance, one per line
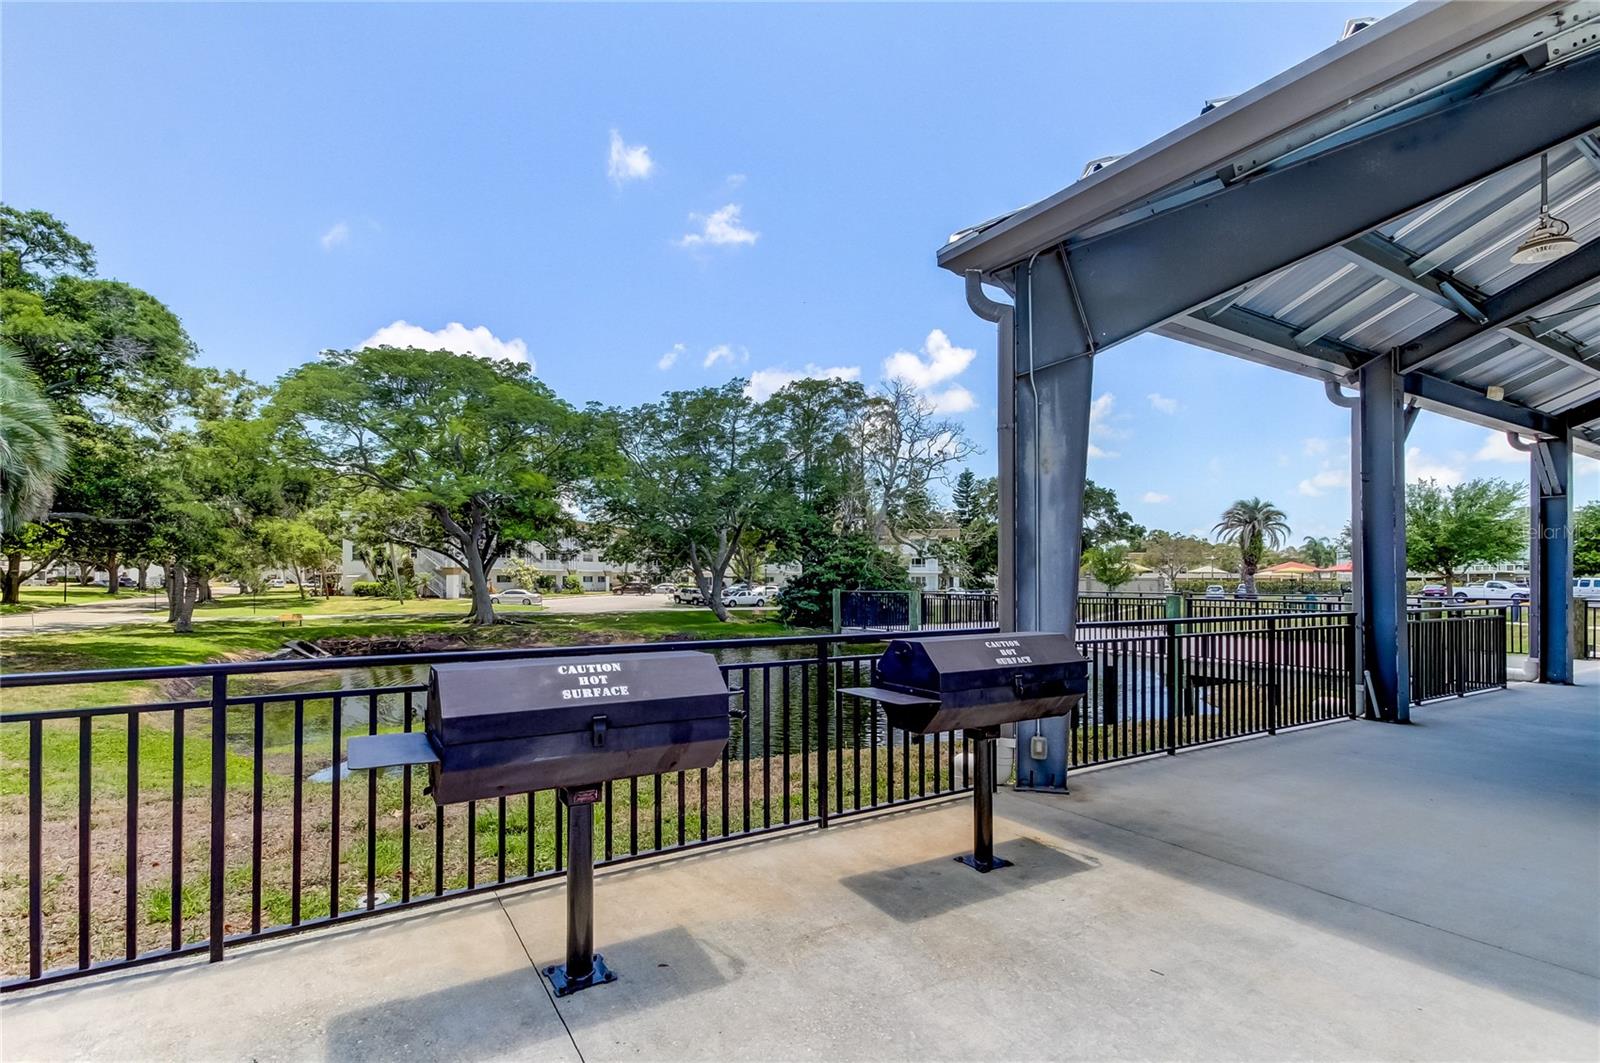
(1160, 686)
(1456, 650)
(959, 609)
(220, 812)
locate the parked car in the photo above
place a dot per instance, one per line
(664, 588)
(1242, 591)
(687, 594)
(1494, 590)
(1215, 591)
(1586, 587)
(277, 583)
(756, 596)
(517, 596)
(127, 581)
(1434, 590)
(631, 588)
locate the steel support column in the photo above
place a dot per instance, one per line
(1052, 393)
(1550, 555)
(1380, 517)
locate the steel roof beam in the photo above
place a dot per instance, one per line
(1381, 256)
(1134, 278)
(1508, 307)
(1554, 346)
(1478, 406)
(1582, 415)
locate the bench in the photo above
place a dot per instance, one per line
(285, 619)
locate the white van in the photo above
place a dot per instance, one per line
(1586, 587)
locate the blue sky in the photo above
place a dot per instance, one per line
(643, 198)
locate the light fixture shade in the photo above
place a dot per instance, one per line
(1547, 242)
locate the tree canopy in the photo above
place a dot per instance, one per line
(1451, 527)
(479, 455)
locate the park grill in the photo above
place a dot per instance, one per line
(568, 723)
(977, 683)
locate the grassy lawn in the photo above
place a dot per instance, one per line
(37, 598)
(150, 645)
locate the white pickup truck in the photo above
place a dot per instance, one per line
(1494, 590)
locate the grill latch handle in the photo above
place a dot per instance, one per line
(597, 730)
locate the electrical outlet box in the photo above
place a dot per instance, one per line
(1039, 747)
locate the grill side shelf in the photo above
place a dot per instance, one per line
(887, 696)
(388, 751)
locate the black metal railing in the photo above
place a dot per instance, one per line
(1456, 650)
(219, 811)
(959, 609)
(1161, 686)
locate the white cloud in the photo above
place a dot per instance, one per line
(1420, 466)
(764, 383)
(1155, 498)
(1315, 446)
(666, 360)
(938, 362)
(628, 162)
(1162, 403)
(720, 228)
(953, 399)
(337, 236)
(454, 337)
(723, 352)
(1497, 448)
(1326, 479)
(736, 180)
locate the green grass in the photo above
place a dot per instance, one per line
(38, 598)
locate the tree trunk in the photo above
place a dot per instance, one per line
(85, 574)
(113, 574)
(1249, 578)
(482, 608)
(188, 592)
(172, 584)
(203, 594)
(144, 576)
(12, 593)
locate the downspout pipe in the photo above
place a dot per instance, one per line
(1003, 315)
(985, 307)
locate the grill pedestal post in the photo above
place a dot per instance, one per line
(982, 857)
(584, 967)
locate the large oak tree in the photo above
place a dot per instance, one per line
(477, 456)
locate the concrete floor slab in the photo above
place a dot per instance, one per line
(448, 983)
(1353, 891)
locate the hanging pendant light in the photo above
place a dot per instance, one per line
(1549, 240)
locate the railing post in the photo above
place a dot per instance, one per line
(824, 715)
(1174, 687)
(1108, 693)
(219, 808)
(1273, 686)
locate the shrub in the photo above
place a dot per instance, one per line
(838, 563)
(546, 583)
(572, 584)
(367, 588)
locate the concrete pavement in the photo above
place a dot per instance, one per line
(1352, 891)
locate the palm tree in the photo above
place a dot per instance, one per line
(33, 449)
(1257, 527)
(1318, 551)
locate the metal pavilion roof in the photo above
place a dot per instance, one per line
(1435, 283)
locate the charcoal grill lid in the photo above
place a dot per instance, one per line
(523, 698)
(390, 751)
(968, 662)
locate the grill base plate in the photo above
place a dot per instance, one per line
(980, 866)
(565, 986)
